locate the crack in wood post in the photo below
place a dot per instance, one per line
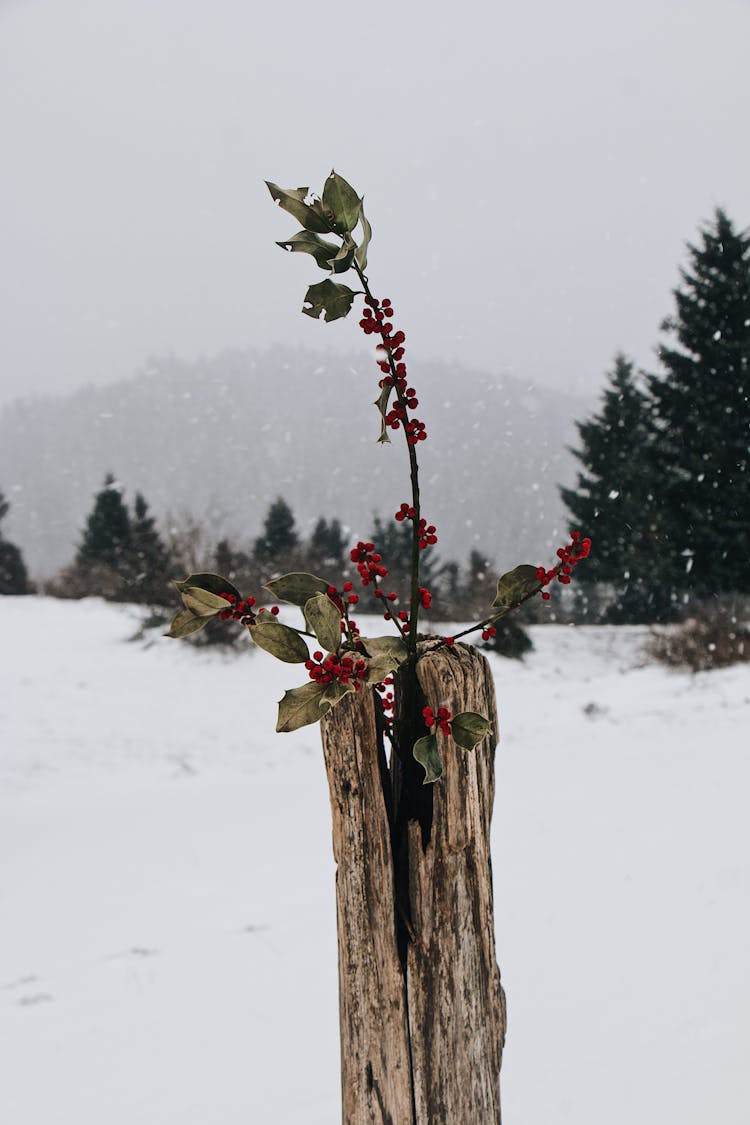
(422, 1010)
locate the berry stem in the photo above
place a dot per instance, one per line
(414, 600)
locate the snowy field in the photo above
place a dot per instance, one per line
(167, 928)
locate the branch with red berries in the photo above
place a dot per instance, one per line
(343, 660)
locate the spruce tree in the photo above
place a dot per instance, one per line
(108, 534)
(702, 402)
(394, 542)
(279, 536)
(327, 543)
(147, 560)
(14, 578)
(617, 499)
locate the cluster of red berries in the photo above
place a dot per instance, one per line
(375, 320)
(425, 597)
(347, 588)
(427, 536)
(490, 631)
(240, 609)
(325, 669)
(415, 431)
(369, 563)
(441, 720)
(427, 532)
(386, 696)
(569, 556)
(374, 317)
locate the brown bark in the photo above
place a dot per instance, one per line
(422, 1010)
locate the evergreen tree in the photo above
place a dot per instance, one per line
(702, 401)
(327, 543)
(13, 575)
(147, 560)
(617, 499)
(279, 535)
(108, 534)
(394, 541)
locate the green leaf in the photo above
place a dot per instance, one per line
(282, 642)
(301, 706)
(394, 648)
(202, 603)
(215, 583)
(185, 622)
(334, 692)
(330, 298)
(426, 753)
(296, 588)
(361, 254)
(344, 258)
(308, 243)
(514, 586)
(469, 729)
(382, 404)
(386, 653)
(293, 201)
(325, 621)
(379, 667)
(343, 202)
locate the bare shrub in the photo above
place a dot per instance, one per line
(716, 637)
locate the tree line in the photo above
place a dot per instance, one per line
(663, 489)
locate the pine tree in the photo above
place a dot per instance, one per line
(702, 402)
(14, 578)
(394, 542)
(147, 561)
(617, 499)
(107, 537)
(279, 535)
(327, 543)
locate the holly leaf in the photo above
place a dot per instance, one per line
(469, 729)
(379, 667)
(334, 692)
(382, 404)
(330, 298)
(325, 621)
(296, 588)
(282, 642)
(343, 202)
(344, 257)
(308, 243)
(361, 253)
(293, 201)
(394, 648)
(215, 583)
(301, 706)
(426, 753)
(202, 603)
(514, 586)
(184, 623)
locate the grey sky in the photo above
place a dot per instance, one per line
(532, 172)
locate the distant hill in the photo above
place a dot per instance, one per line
(221, 437)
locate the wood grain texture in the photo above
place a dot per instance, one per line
(375, 1066)
(455, 998)
(422, 1023)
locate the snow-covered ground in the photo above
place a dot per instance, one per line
(167, 928)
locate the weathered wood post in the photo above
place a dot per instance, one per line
(422, 1010)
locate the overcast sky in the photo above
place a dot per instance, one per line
(532, 172)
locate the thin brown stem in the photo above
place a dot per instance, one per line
(414, 602)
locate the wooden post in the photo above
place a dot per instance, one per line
(422, 1010)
